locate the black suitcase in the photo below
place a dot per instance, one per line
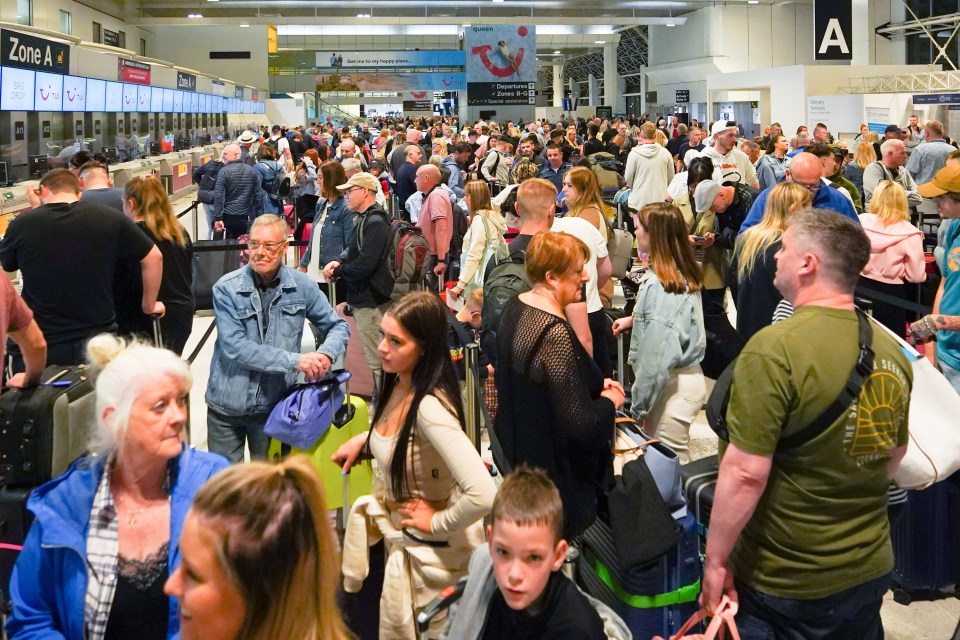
(44, 429)
(15, 520)
(212, 259)
(926, 543)
(699, 484)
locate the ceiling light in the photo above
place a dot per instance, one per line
(557, 52)
(243, 26)
(363, 15)
(753, 1)
(670, 24)
(194, 15)
(498, 0)
(466, 24)
(600, 42)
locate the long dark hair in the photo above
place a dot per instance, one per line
(422, 315)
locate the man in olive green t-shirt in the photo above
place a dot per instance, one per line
(804, 530)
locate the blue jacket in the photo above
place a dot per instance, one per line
(237, 192)
(49, 581)
(455, 182)
(827, 198)
(269, 170)
(337, 235)
(253, 369)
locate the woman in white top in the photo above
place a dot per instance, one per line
(430, 480)
(481, 240)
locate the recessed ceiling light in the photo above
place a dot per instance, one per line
(498, 0)
(363, 15)
(243, 26)
(194, 15)
(600, 42)
(557, 52)
(466, 24)
(670, 24)
(753, 1)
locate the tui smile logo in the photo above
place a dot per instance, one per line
(45, 96)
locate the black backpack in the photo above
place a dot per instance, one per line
(277, 187)
(505, 281)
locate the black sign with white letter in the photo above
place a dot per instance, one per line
(111, 38)
(683, 96)
(238, 93)
(18, 130)
(29, 52)
(45, 129)
(186, 81)
(79, 128)
(833, 29)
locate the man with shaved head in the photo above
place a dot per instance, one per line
(436, 217)
(806, 170)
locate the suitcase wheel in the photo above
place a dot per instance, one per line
(902, 597)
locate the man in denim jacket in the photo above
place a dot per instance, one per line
(260, 311)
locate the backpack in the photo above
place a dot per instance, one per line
(493, 171)
(404, 257)
(507, 279)
(275, 187)
(458, 229)
(608, 171)
(208, 175)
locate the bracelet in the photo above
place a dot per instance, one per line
(929, 324)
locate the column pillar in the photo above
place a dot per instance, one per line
(612, 95)
(592, 90)
(558, 85)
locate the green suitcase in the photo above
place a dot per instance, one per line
(361, 474)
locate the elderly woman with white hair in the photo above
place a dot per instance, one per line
(106, 533)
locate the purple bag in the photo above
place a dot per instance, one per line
(305, 415)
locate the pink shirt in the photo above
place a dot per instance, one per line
(436, 219)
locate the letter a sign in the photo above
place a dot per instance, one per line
(832, 30)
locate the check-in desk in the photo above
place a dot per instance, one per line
(176, 172)
(13, 200)
(203, 155)
(126, 171)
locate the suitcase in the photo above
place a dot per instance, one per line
(926, 543)
(699, 484)
(307, 234)
(361, 474)
(362, 381)
(47, 427)
(655, 599)
(212, 259)
(15, 520)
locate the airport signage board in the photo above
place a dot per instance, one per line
(17, 87)
(832, 29)
(186, 81)
(683, 96)
(133, 72)
(936, 98)
(501, 64)
(378, 59)
(30, 52)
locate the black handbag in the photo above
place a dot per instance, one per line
(212, 259)
(643, 528)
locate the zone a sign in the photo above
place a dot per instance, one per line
(29, 52)
(832, 30)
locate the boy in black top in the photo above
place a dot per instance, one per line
(533, 599)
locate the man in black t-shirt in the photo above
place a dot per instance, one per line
(68, 251)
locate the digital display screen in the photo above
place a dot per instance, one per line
(74, 93)
(130, 97)
(96, 95)
(49, 93)
(114, 102)
(156, 99)
(202, 103)
(16, 89)
(168, 100)
(178, 101)
(144, 95)
(194, 103)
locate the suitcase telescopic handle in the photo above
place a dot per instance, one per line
(157, 331)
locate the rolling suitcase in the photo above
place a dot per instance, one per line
(654, 599)
(926, 543)
(47, 427)
(699, 484)
(15, 520)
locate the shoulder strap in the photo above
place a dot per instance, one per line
(720, 398)
(462, 334)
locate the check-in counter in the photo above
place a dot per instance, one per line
(176, 172)
(126, 171)
(13, 200)
(203, 155)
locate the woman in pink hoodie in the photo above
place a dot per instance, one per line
(896, 252)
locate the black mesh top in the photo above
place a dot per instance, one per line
(551, 413)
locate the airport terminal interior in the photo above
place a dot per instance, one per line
(161, 87)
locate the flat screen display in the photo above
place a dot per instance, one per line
(144, 95)
(178, 101)
(156, 99)
(202, 103)
(194, 103)
(130, 97)
(49, 93)
(168, 100)
(96, 95)
(74, 93)
(114, 102)
(16, 89)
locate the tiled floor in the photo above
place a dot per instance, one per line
(921, 620)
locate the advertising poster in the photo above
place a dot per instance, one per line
(391, 82)
(379, 59)
(501, 64)
(133, 72)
